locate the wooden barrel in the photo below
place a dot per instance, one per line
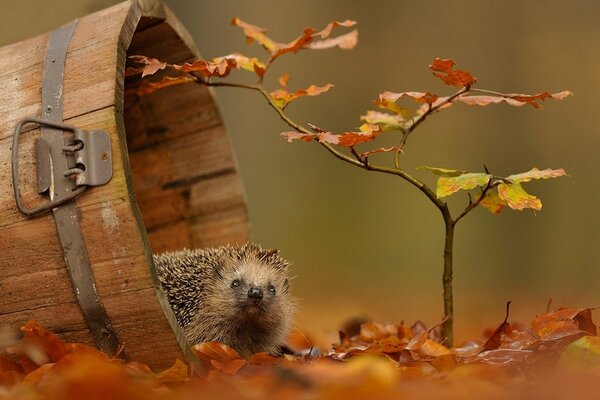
(174, 182)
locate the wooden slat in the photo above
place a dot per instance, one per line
(221, 227)
(167, 114)
(171, 237)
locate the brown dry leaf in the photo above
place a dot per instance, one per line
(37, 337)
(309, 39)
(372, 331)
(494, 341)
(281, 97)
(146, 87)
(564, 319)
(219, 68)
(150, 66)
(298, 342)
(177, 375)
(443, 69)
(346, 139)
(220, 356)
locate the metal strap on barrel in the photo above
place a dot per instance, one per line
(68, 160)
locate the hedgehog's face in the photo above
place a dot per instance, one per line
(256, 287)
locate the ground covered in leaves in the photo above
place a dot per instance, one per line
(556, 356)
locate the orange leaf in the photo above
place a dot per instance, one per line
(346, 139)
(220, 356)
(250, 64)
(176, 375)
(219, 68)
(372, 331)
(151, 66)
(564, 319)
(517, 198)
(257, 33)
(346, 41)
(298, 342)
(305, 40)
(443, 69)
(281, 97)
(36, 336)
(492, 202)
(146, 87)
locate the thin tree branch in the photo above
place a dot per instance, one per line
(472, 204)
(364, 165)
(430, 110)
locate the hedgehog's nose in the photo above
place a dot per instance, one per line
(255, 293)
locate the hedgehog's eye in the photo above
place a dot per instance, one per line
(271, 289)
(236, 283)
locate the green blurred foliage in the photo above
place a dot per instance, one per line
(368, 244)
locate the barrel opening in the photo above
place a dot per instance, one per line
(184, 173)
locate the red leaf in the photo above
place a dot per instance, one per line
(443, 69)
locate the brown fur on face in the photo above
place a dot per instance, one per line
(251, 315)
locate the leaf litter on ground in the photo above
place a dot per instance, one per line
(557, 354)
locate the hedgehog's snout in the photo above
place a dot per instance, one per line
(255, 293)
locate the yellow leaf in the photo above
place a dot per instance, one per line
(517, 198)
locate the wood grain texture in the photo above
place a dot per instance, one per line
(175, 181)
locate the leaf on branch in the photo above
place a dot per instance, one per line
(251, 64)
(255, 33)
(220, 67)
(516, 100)
(447, 185)
(146, 87)
(346, 139)
(281, 97)
(151, 66)
(346, 41)
(307, 40)
(517, 198)
(387, 100)
(385, 120)
(492, 202)
(535, 173)
(443, 69)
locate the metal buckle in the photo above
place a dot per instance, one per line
(93, 163)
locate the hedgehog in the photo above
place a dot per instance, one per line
(239, 296)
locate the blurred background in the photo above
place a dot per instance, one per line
(364, 244)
